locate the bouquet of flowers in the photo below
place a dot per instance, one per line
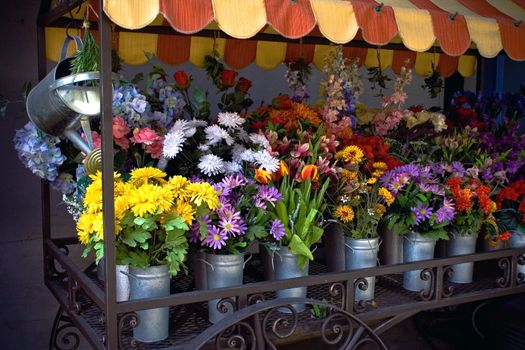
(473, 205)
(360, 202)
(153, 213)
(241, 217)
(420, 204)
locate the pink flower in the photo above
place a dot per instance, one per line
(123, 143)
(155, 149)
(301, 151)
(97, 140)
(120, 129)
(145, 136)
(398, 97)
(329, 145)
(323, 164)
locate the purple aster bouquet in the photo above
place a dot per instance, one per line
(421, 204)
(242, 217)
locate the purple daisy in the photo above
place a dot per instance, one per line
(446, 212)
(422, 212)
(458, 169)
(277, 229)
(231, 223)
(265, 195)
(216, 238)
(231, 182)
(398, 182)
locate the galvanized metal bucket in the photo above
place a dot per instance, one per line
(199, 269)
(416, 248)
(285, 267)
(491, 245)
(151, 282)
(222, 271)
(362, 253)
(334, 242)
(122, 273)
(462, 244)
(517, 240)
(391, 239)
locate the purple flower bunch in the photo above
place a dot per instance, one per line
(241, 217)
(421, 203)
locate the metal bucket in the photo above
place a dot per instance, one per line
(391, 239)
(517, 240)
(285, 265)
(122, 273)
(416, 248)
(462, 245)
(151, 282)
(334, 240)
(199, 269)
(267, 253)
(222, 271)
(490, 245)
(362, 253)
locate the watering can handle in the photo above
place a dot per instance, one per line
(65, 45)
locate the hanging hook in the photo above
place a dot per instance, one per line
(452, 16)
(379, 7)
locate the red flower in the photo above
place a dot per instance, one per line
(504, 236)
(181, 79)
(243, 85)
(228, 78)
(282, 102)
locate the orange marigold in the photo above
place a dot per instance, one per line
(463, 199)
(454, 183)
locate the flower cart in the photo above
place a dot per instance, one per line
(288, 187)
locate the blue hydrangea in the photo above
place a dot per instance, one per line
(172, 102)
(64, 183)
(131, 106)
(39, 152)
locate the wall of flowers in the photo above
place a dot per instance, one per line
(283, 175)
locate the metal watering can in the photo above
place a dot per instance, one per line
(59, 105)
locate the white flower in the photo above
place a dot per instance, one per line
(243, 135)
(215, 134)
(204, 148)
(230, 120)
(260, 140)
(185, 127)
(266, 161)
(211, 165)
(247, 156)
(173, 142)
(196, 123)
(232, 168)
(237, 151)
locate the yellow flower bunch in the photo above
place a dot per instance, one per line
(351, 154)
(144, 204)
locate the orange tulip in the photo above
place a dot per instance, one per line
(283, 169)
(309, 172)
(262, 176)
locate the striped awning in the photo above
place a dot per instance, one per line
(454, 25)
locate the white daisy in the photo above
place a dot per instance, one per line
(243, 135)
(237, 150)
(173, 142)
(260, 140)
(204, 148)
(230, 120)
(247, 156)
(211, 165)
(266, 161)
(185, 127)
(232, 168)
(215, 134)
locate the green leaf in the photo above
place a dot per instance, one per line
(317, 233)
(299, 248)
(132, 237)
(25, 89)
(139, 221)
(137, 78)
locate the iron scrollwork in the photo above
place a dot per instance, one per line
(64, 334)
(521, 275)
(428, 275)
(337, 293)
(505, 265)
(361, 284)
(448, 272)
(127, 321)
(281, 321)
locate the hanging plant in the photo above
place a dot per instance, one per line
(86, 59)
(433, 83)
(297, 76)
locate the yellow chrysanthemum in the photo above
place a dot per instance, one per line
(85, 227)
(348, 176)
(93, 197)
(380, 166)
(142, 175)
(371, 180)
(380, 209)
(121, 206)
(344, 213)
(98, 227)
(98, 176)
(185, 210)
(386, 195)
(178, 186)
(350, 154)
(165, 198)
(122, 188)
(144, 200)
(203, 192)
